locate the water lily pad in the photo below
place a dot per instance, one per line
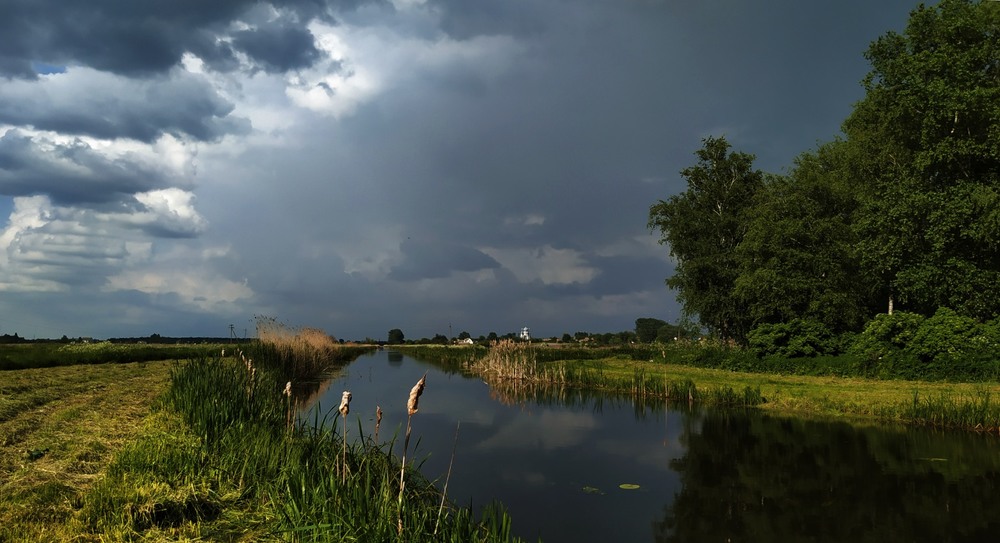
(628, 486)
(592, 490)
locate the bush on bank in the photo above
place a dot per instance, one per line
(943, 347)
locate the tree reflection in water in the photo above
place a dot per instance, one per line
(761, 478)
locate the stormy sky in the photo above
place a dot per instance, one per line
(177, 166)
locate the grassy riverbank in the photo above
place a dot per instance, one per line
(807, 387)
(210, 449)
(203, 450)
(950, 405)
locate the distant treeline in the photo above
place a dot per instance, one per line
(154, 339)
(157, 339)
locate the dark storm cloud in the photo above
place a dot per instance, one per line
(429, 260)
(463, 19)
(70, 173)
(278, 47)
(141, 38)
(614, 276)
(537, 131)
(78, 103)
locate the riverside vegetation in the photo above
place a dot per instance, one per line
(896, 388)
(87, 454)
(221, 455)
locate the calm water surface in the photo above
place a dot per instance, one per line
(557, 465)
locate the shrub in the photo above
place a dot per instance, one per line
(797, 338)
(886, 335)
(943, 336)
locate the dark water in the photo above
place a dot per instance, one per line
(703, 476)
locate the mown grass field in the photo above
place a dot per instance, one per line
(59, 428)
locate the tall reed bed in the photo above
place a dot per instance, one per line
(508, 360)
(299, 353)
(233, 466)
(514, 375)
(980, 412)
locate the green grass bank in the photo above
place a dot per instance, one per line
(963, 396)
(210, 449)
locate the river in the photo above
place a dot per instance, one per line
(581, 467)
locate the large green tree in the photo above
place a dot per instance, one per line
(646, 328)
(798, 259)
(703, 226)
(927, 138)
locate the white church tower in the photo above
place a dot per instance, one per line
(525, 334)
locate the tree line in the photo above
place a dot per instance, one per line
(898, 215)
(647, 330)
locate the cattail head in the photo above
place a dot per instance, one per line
(345, 404)
(415, 392)
(288, 389)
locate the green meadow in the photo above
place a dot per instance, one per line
(212, 448)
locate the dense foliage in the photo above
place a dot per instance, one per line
(928, 139)
(703, 227)
(396, 336)
(891, 232)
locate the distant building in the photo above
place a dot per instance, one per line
(525, 334)
(465, 341)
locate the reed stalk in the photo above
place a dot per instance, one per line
(288, 407)
(411, 409)
(345, 408)
(447, 478)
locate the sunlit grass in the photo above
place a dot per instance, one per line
(954, 405)
(44, 355)
(668, 372)
(59, 428)
(222, 461)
